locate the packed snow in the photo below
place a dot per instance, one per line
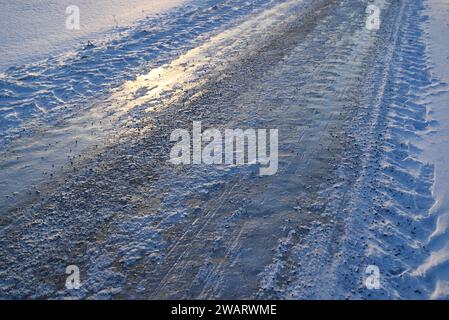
(363, 150)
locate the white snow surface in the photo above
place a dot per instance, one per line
(32, 30)
(363, 167)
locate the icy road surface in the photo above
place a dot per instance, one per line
(32, 30)
(89, 184)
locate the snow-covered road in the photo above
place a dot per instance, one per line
(355, 184)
